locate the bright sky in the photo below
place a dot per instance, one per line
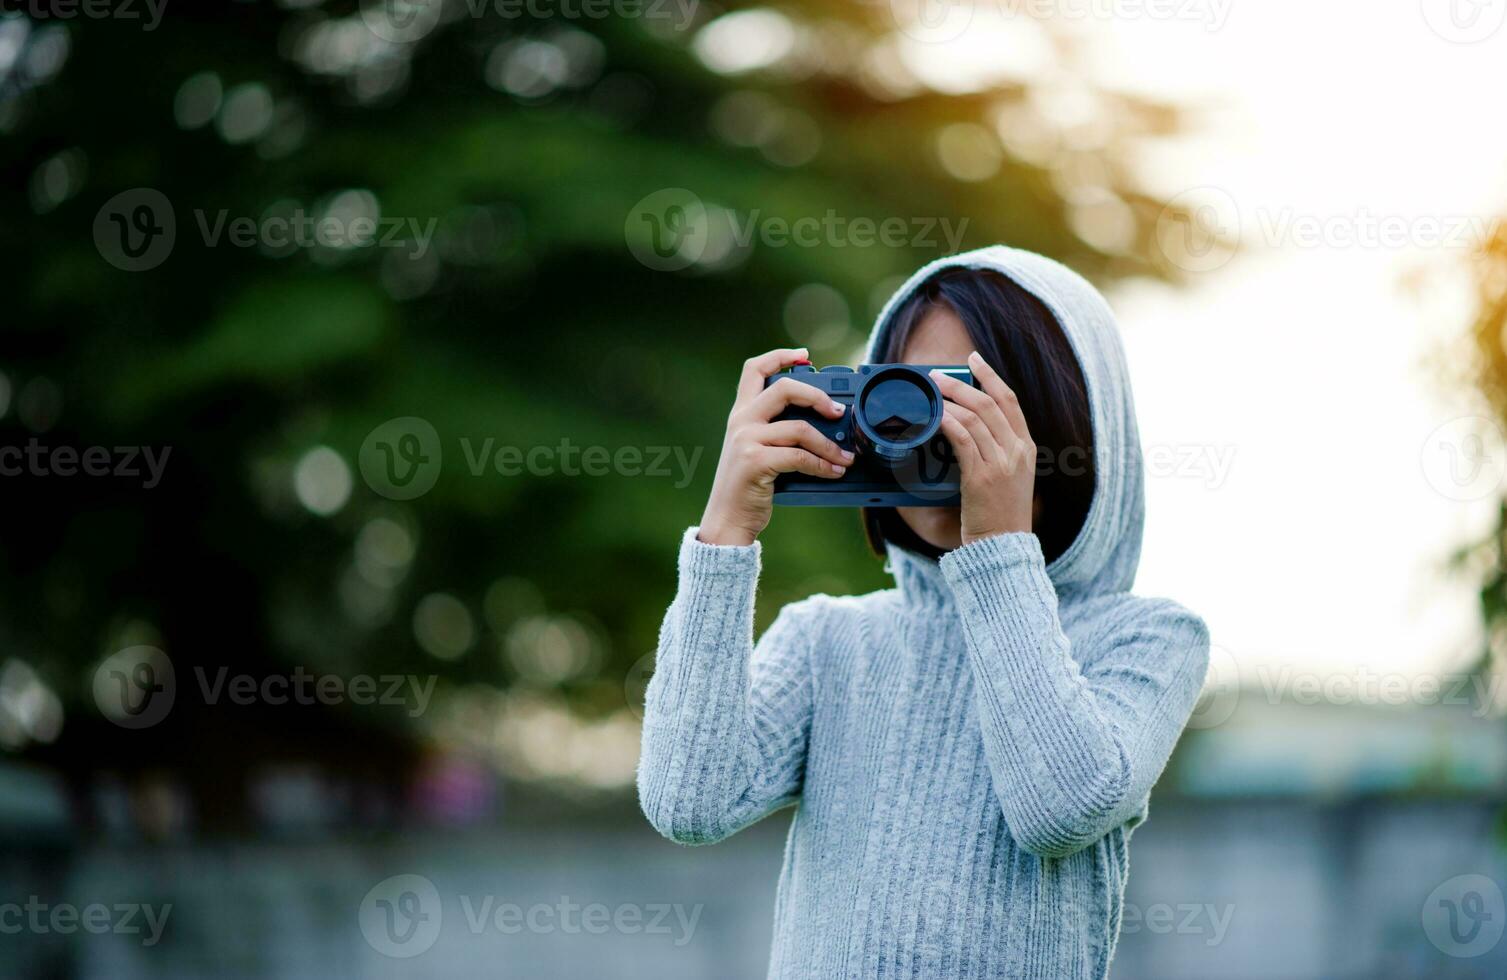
(1323, 548)
(1351, 146)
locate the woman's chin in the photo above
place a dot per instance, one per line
(940, 527)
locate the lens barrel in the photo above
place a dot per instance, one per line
(897, 410)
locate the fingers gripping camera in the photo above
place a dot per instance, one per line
(892, 425)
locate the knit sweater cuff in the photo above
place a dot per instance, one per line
(994, 557)
(699, 560)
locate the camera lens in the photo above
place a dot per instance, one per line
(899, 410)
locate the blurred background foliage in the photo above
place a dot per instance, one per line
(1486, 367)
(528, 142)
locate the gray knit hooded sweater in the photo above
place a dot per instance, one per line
(967, 752)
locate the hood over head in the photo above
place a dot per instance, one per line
(1104, 556)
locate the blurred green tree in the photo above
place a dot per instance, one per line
(524, 142)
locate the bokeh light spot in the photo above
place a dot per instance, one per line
(442, 625)
(969, 152)
(744, 41)
(246, 114)
(322, 481)
(198, 100)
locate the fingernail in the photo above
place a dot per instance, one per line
(847, 457)
(840, 407)
(839, 470)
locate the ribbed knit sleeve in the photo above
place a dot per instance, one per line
(1073, 753)
(725, 723)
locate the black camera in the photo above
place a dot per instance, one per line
(892, 426)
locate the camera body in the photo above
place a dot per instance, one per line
(892, 424)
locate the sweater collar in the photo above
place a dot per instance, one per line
(918, 578)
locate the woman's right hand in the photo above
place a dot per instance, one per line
(756, 449)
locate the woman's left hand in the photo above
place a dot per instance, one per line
(994, 449)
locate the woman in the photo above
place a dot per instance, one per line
(969, 751)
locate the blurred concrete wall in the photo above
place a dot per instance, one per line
(1226, 889)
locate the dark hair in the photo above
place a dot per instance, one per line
(1021, 339)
